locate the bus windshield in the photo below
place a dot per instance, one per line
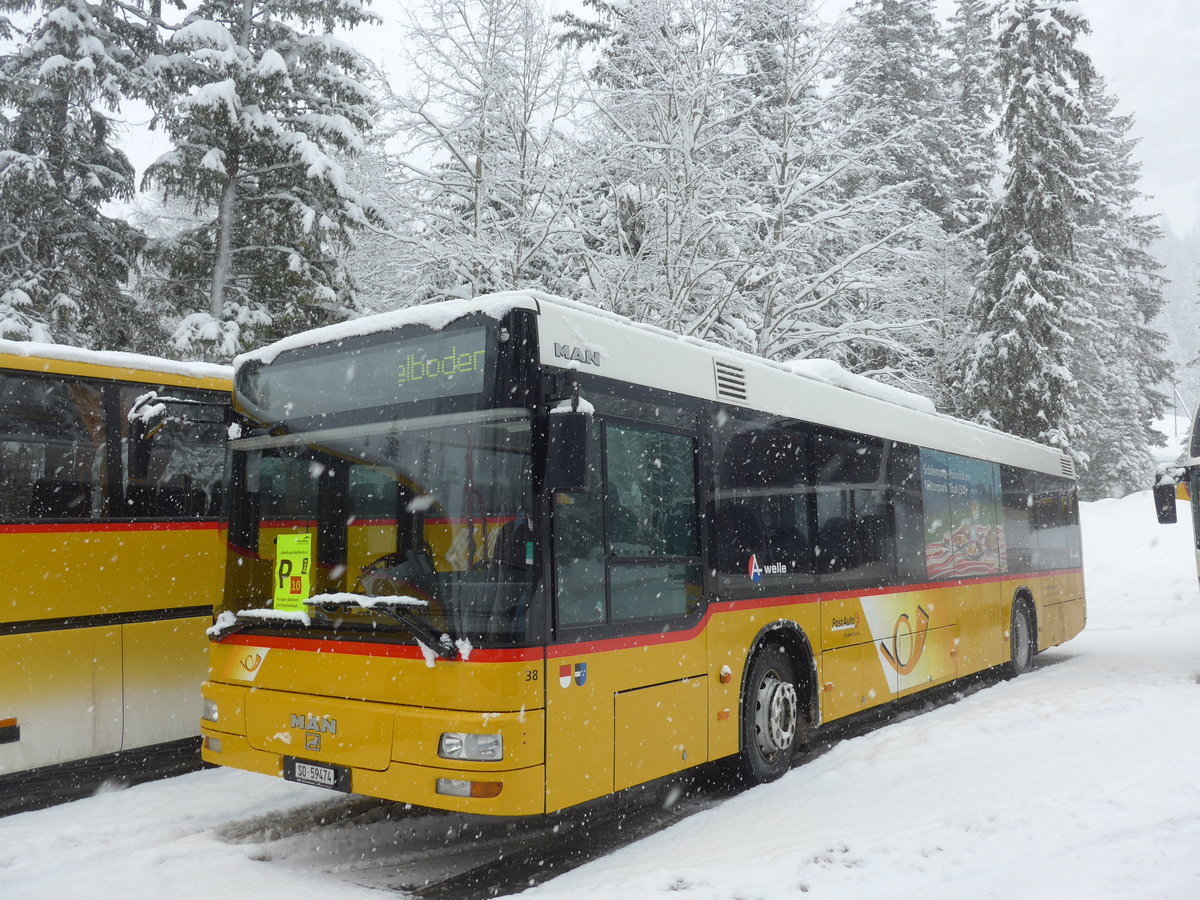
(432, 511)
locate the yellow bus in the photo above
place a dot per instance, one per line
(508, 555)
(112, 556)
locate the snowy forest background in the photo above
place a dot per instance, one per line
(952, 207)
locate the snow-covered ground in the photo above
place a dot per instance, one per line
(1077, 780)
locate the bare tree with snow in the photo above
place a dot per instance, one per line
(477, 181)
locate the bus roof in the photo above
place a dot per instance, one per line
(40, 357)
(576, 336)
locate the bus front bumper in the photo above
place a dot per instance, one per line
(377, 750)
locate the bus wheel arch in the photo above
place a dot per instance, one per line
(1022, 632)
(778, 703)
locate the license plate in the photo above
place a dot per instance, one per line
(336, 778)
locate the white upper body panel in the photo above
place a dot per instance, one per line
(575, 336)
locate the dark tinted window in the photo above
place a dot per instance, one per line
(908, 512)
(855, 534)
(185, 456)
(1016, 492)
(1054, 515)
(52, 448)
(763, 536)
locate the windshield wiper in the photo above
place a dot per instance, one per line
(394, 608)
(231, 623)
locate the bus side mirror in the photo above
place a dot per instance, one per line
(567, 469)
(145, 419)
(1164, 502)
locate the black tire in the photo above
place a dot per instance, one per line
(1022, 640)
(773, 724)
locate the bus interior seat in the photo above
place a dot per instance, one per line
(838, 545)
(790, 547)
(52, 499)
(739, 535)
(169, 501)
(872, 538)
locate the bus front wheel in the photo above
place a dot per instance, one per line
(1021, 639)
(771, 719)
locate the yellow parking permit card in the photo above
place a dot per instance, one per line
(293, 564)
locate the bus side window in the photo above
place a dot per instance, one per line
(905, 478)
(763, 505)
(1055, 519)
(52, 431)
(186, 459)
(650, 511)
(855, 529)
(1016, 495)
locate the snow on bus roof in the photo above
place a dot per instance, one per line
(114, 359)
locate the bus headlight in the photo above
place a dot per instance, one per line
(208, 711)
(475, 747)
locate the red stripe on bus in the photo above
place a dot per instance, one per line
(462, 520)
(397, 651)
(79, 527)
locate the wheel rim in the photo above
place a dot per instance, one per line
(1020, 631)
(775, 715)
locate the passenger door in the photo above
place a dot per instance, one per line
(626, 694)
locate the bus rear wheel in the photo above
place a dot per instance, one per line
(772, 723)
(1021, 642)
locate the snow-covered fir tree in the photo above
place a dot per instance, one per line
(479, 186)
(1116, 356)
(1019, 376)
(892, 69)
(260, 98)
(64, 263)
(974, 99)
(893, 78)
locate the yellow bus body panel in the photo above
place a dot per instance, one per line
(597, 715)
(79, 692)
(65, 571)
(64, 688)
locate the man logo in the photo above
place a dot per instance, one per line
(315, 723)
(577, 354)
(312, 740)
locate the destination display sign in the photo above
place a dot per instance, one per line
(431, 367)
